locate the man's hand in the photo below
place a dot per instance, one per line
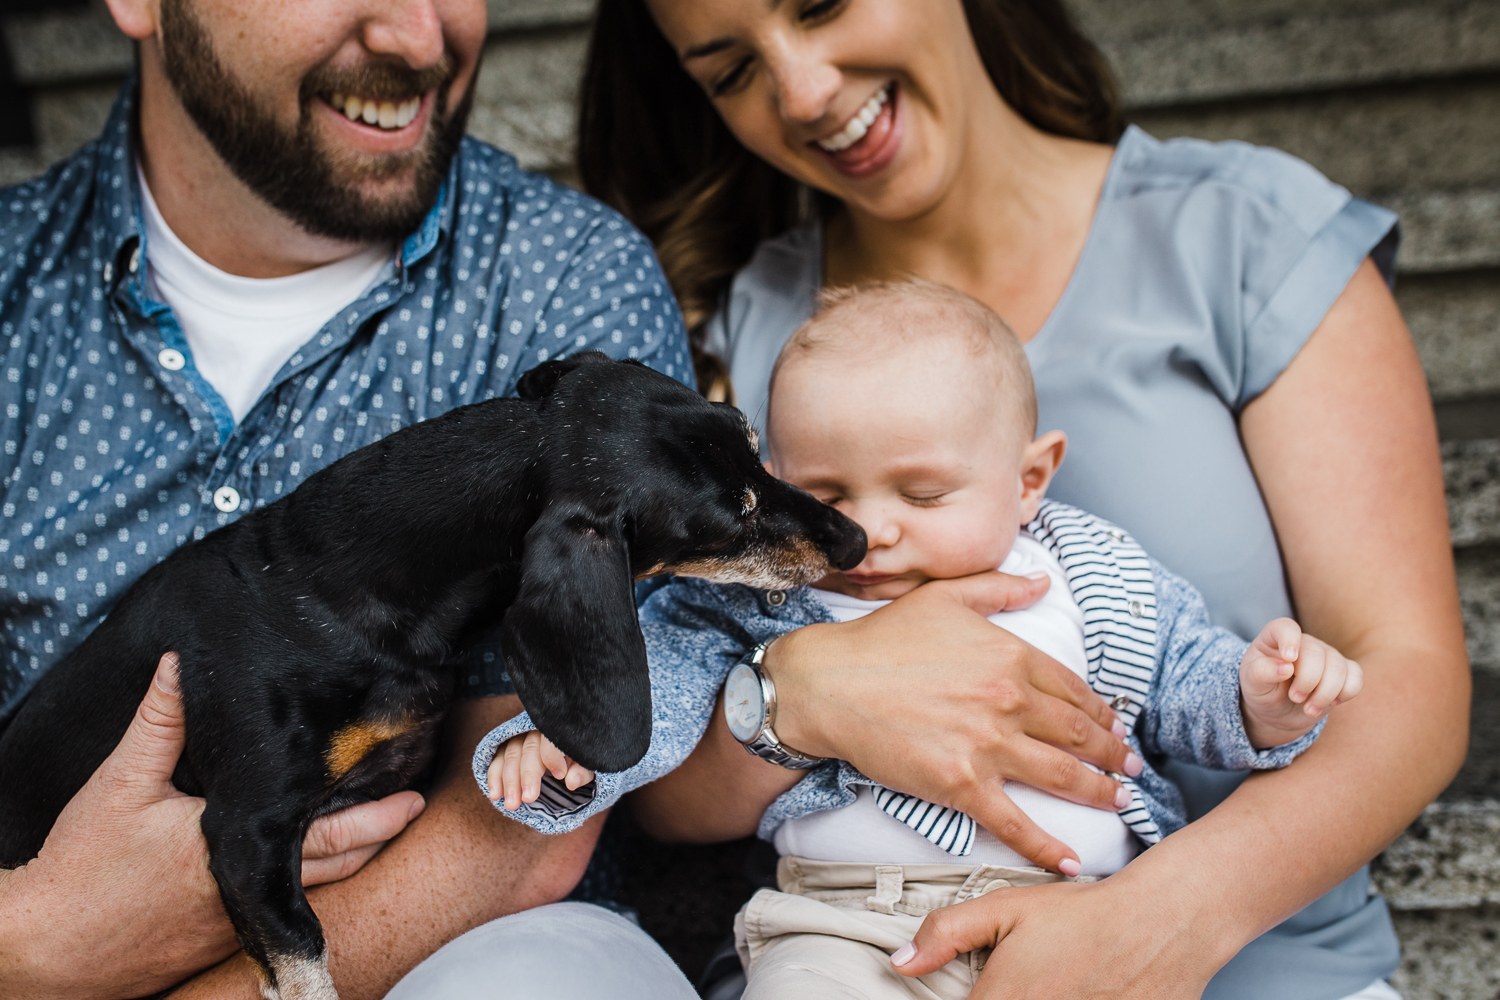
(125, 869)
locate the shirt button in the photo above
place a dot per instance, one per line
(171, 359)
(1120, 703)
(776, 598)
(109, 272)
(1117, 534)
(1137, 609)
(227, 499)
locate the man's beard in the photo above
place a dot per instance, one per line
(291, 169)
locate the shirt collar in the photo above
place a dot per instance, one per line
(117, 206)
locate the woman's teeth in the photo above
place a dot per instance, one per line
(383, 114)
(858, 125)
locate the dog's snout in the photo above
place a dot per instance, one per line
(841, 541)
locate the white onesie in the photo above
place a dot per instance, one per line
(863, 832)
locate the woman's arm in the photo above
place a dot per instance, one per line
(986, 707)
(1345, 448)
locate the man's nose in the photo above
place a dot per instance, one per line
(411, 30)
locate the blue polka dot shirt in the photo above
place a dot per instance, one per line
(116, 450)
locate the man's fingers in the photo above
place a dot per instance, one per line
(367, 824)
(148, 751)
(991, 592)
(318, 871)
(951, 931)
(1013, 828)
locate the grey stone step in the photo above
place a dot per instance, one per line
(1478, 781)
(1437, 135)
(77, 45)
(1449, 954)
(1471, 472)
(525, 98)
(1455, 322)
(1448, 858)
(1184, 63)
(1448, 230)
(1479, 593)
(1114, 20)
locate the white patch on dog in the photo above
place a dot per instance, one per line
(299, 978)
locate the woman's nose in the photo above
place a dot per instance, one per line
(806, 84)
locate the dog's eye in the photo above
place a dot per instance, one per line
(747, 502)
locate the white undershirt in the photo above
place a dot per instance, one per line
(862, 832)
(242, 330)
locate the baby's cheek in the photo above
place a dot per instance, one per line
(966, 543)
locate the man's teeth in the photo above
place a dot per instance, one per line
(858, 125)
(385, 114)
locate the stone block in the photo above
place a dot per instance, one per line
(67, 46)
(1479, 595)
(1185, 64)
(1455, 322)
(526, 96)
(1448, 230)
(1471, 474)
(1371, 140)
(1119, 20)
(1449, 954)
(1478, 780)
(509, 14)
(1448, 858)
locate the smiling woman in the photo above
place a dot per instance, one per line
(1209, 326)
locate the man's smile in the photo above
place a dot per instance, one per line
(384, 114)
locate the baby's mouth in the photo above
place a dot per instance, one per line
(382, 113)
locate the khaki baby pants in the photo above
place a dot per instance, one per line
(830, 932)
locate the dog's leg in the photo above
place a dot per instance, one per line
(255, 854)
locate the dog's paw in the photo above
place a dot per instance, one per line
(298, 977)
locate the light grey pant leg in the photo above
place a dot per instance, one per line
(565, 951)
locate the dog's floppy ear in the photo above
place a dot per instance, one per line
(572, 642)
(541, 380)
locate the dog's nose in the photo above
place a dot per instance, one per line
(841, 540)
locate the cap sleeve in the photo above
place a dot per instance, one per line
(1304, 238)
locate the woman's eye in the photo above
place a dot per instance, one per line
(730, 80)
(821, 10)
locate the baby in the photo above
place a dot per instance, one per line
(910, 407)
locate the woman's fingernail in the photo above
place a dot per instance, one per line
(1119, 729)
(1134, 765)
(1122, 798)
(904, 954)
(1069, 867)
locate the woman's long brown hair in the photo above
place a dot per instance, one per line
(651, 145)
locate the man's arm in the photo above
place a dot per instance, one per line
(460, 864)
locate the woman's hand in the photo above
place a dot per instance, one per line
(1036, 933)
(928, 697)
(125, 872)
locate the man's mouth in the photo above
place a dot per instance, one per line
(383, 114)
(858, 126)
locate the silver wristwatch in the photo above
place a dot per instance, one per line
(750, 709)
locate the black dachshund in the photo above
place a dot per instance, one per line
(317, 635)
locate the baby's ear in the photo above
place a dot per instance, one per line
(1039, 463)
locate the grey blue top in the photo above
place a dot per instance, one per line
(112, 459)
(1207, 267)
(1146, 634)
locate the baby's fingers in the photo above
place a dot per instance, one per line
(531, 767)
(577, 776)
(554, 760)
(509, 764)
(1310, 667)
(1282, 639)
(1337, 676)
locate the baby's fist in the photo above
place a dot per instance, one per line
(1288, 680)
(516, 772)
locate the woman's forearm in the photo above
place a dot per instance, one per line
(1284, 838)
(719, 792)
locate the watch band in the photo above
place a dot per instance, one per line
(765, 745)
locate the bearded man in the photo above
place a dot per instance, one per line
(282, 248)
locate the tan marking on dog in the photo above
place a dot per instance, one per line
(793, 564)
(354, 742)
(298, 978)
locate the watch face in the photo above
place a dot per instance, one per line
(744, 705)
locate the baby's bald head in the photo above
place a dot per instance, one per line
(927, 338)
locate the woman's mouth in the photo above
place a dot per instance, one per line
(384, 114)
(869, 140)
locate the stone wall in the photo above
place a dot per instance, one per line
(1399, 100)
